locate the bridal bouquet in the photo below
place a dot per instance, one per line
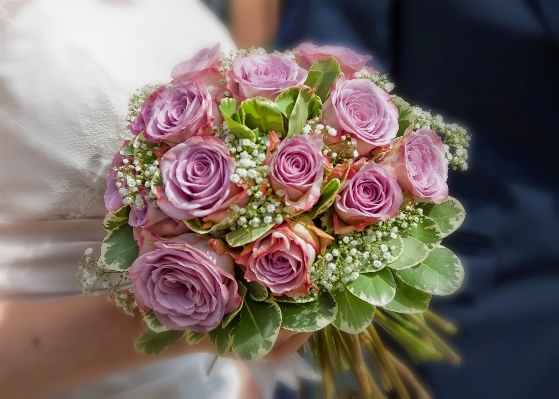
(287, 190)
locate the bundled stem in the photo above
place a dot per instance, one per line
(365, 362)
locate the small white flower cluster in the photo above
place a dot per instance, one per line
(378, 79)
(136, 101)
(142, 171)
(455, 138)
(90, 274)
(344, 151)
(264, 207)
(368, 250)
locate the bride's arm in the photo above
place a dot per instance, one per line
(48, 347)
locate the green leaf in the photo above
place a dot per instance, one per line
(322, 76)
(405, 115)
(327, 198)
(152, 343)
(413, 252)
(441, 273)
(113, 220)
(222, 338)
(228, 108)
(119, 250)
(308, 316)
(257, 330)
(193, 338)
(195, 227)
(427, 231)
(298, 104)
(354, 315)
(448, 215)
(246, 235)
(408, 299)
(152, 322)
(296, 299)
(263, 114)
(228, 318)
(375, 288)
(256, 291)
(127, 150)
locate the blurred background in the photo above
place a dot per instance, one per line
(492, 66)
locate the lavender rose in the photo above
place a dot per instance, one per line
(146, 214)
(297, 169)
(263, 75)
(139, 124)
(180, 112)
(422, 166)
(281, 259)
(363, 110)
(196, 178)
(205, 60)
(349, 60)
(370, 195)
(186, 284)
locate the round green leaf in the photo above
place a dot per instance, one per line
(374, 288)
(308, 316)
(354, 315)
(119, 249)
(427, 231)
(441, 273)
(448, 215)
(152, 343)
(408, 299)
(257, 330)
(413, 252)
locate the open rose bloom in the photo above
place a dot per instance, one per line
(259, 191)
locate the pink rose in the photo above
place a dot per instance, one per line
(297, 168)
(186, 283)
(196, 178)
(363, 110)
(205, 60)
(422, 166)
(146, 237)
(280, 260)
(369, 195)
(146, 215)
(180, 112)
(139, 124)
(349, 60)
(263, 75)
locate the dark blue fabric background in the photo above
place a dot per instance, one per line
(493, 66)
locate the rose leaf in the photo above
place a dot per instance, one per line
(354, 315)
(427, 231)
(327, 198)
(258, 329)
(152, 343)
(374, 288)
(441, 273)
(263, 114)
(413, 252)
(448, 215)
(246, 235)
(119, 250)
(152, 322)
(228, 108)
(405, 115)
(221, 336)
(308, 316)
(323, 75)
(408, 299)
(298, 104)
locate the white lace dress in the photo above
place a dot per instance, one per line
(67, 69)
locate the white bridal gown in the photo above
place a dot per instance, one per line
(67, 69)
